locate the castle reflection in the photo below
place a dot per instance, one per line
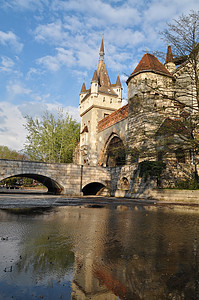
(106, 252)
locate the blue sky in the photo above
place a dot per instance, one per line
(48, 47)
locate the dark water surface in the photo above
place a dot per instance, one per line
(99, 253)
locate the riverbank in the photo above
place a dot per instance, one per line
(186, 197)
(30, 198)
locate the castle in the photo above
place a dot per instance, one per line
(150, 127)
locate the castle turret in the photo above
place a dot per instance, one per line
(100, 100)
(119, 87)
(94, 84)
(83, 92)
(169, 63)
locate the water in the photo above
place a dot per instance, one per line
(99, 253)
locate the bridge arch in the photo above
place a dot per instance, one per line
(92, 188)
(114, 151)
(52, 186)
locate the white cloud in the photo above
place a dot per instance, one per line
(53, 32)
(123, 77)
(34, 110)
(79, 75)
(6, 64)
(24, 4)
(50, 62)
(12, 131)
(17, 89)
(63, 57)
(71, 110)
(10, 39)
(32, 72)
(104, 11)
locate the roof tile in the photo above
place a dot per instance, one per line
(150, 63)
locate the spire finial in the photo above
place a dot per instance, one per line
(101, 53)
(169, 57)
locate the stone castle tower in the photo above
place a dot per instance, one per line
(147, 107)
(96, 103)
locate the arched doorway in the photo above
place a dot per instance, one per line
(115, 154)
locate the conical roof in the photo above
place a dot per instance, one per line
(118, 82)
(104, 79)
(83, 89)
(150, 63)
(169, 57)
(95, 76)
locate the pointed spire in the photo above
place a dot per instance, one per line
(103, 77)
(83, 88)
(169, 57)
(118, 82)
(95, 76)
(101, 53)
(102, 46)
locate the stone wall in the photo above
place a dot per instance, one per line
(126, 182)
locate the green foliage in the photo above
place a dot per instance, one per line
(151, 169)
(52, 139)
(6, 153)
(134, 154)
(192, 184)
(19, 181)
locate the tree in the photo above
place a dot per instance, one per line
(183, 35)
(52, 139)
(6, 153)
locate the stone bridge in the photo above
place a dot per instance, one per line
(67, 179)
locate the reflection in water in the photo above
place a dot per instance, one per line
(107, 253)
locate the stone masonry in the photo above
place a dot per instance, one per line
(67, 179)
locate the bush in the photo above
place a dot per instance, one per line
(151, 169)
(191, 184)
